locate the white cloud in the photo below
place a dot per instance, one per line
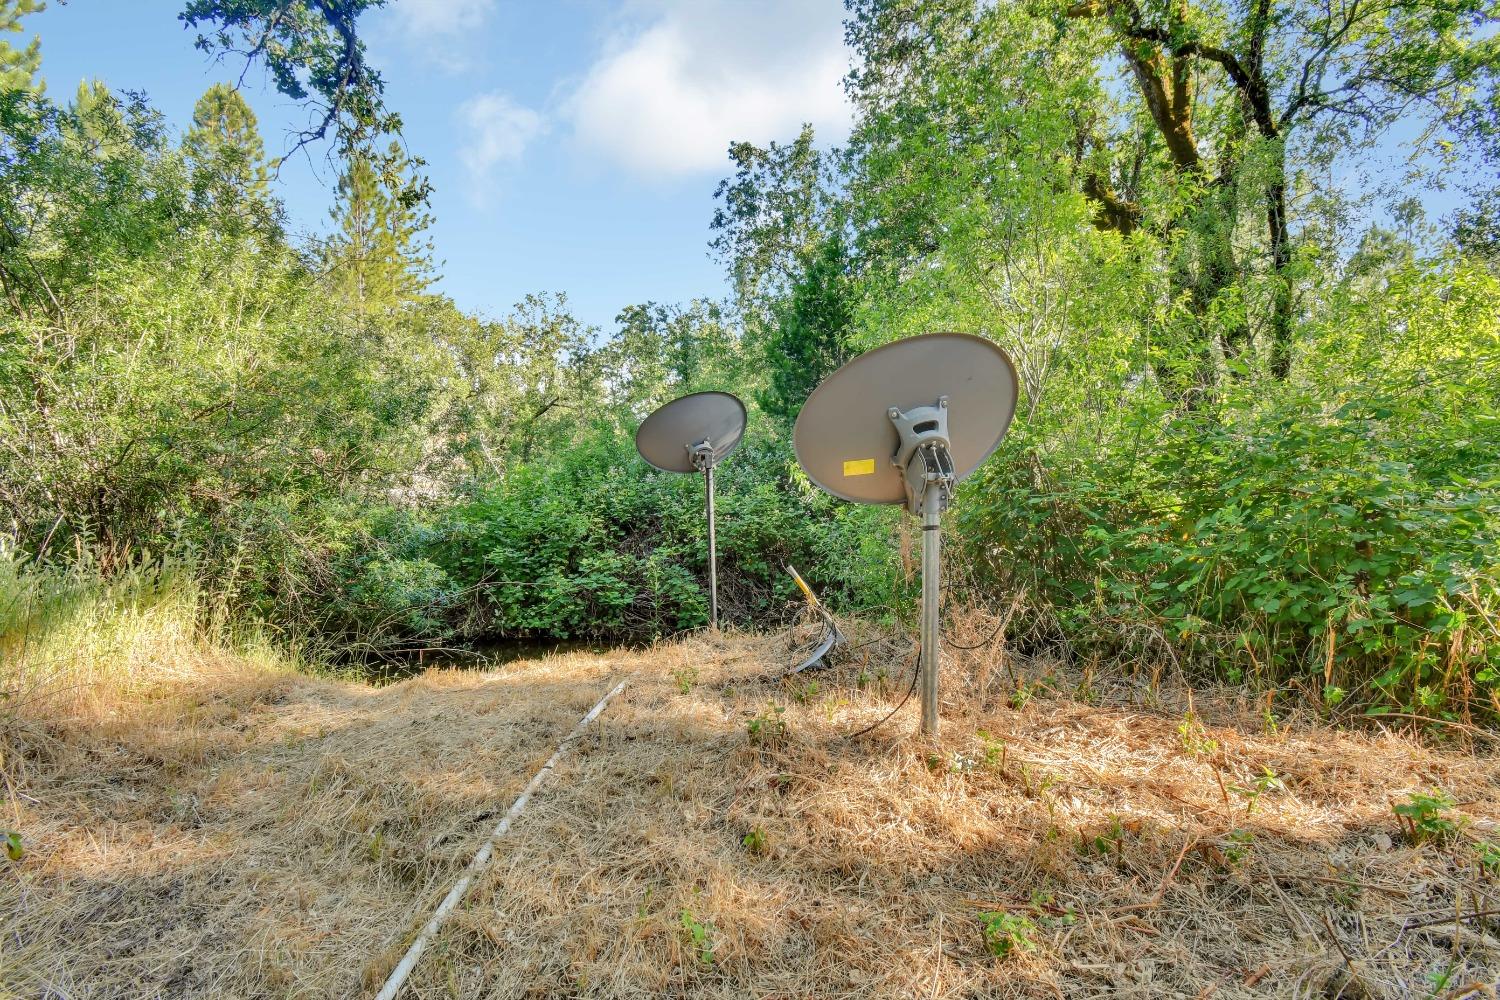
(442, 32)
(498, 132)
(672, 90)
(441, 17)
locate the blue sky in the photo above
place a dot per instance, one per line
(574, 144)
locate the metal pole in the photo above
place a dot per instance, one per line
(713, 553)
(931, 652)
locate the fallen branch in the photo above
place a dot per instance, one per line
(1452, 919)
(1348, 962)
(1161, 890)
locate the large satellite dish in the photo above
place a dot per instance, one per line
(906, 423)
(693, 434)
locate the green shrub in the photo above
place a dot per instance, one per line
(1342, 528)
(1006, 933)
(1425, 816)
(596, 543)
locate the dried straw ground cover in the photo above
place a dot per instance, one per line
(259, 834)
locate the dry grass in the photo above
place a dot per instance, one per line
(263, 834)
(255, 832)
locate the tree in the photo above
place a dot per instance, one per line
(772, 216)
(226, 164)
(97, 122)
(660, 351)
(80, 186)
(1476, 229)
(959, 199)
(1345, 70)
(159, 384)
(379, 259)
(313, 52)
(18, 67)
(1192, 154)
(518, 386)
(813, 335)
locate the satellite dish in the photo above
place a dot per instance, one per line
(845, 438)
(693, 434)
(668, 437)
(906, 423)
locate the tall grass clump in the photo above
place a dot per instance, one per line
(74, 641)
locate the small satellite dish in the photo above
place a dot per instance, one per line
(906, 423)
(669, 436)
(693, 434)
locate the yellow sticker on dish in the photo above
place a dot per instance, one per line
(860, 467)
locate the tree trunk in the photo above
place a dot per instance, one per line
(1281, 259)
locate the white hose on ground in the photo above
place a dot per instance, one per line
(455, 895)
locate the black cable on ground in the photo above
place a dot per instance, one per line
(899, 705)
(882, 721)
(901, 626)
(979, 645)
(871, 642)
(917, 673)
(1001, 627)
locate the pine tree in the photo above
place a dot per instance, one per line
(226, 163)
(18, 67)
(96, 124)
(379, 259)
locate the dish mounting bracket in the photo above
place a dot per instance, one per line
(923, 456)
